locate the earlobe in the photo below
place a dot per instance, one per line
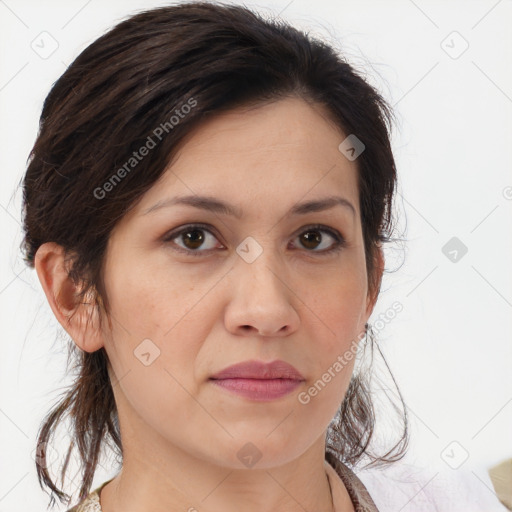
(79, 317)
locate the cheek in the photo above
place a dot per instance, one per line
(340, 308)
(157, 370)
(325, 391)
(158, 317)
(147, 299)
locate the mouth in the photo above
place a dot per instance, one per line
(262, 390)
(259, 381)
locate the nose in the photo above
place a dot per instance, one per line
(262, 300)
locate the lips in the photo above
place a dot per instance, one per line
(259, 370)
(258, 381)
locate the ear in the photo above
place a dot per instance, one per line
(373, 295)
(78, 317)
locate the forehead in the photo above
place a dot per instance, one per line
(279, 153)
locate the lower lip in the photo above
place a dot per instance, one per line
(262, 390)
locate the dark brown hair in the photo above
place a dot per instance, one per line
(105, 106)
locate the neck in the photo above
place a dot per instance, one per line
(140, 487)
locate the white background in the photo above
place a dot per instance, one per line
(450, 348)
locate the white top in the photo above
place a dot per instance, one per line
(406, 488)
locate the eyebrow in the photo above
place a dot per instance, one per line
(214, 205)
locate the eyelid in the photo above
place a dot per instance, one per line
(168, 237)
(339, 240)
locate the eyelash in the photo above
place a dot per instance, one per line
(339, 244)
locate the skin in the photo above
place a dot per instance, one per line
(209, 311)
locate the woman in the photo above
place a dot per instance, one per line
(205, 207)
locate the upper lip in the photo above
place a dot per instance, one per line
(259, 370)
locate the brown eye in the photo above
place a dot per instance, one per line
(310, 239)
(191, 239)
(313, 238)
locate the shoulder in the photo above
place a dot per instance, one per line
(91, 503)
(411, 488)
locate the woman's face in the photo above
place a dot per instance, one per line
(264, 285)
